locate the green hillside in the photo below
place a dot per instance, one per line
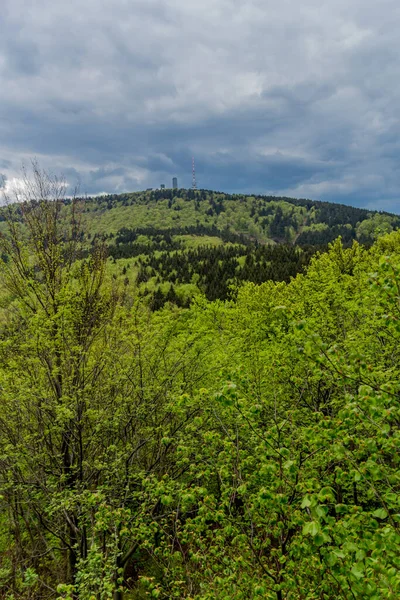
(259, 218)
(231, 450)
(174, 244)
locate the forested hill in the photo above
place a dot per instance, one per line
(237, 450)
(258, 218)
(173, 244)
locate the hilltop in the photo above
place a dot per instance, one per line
(173, 244)
(264, 219)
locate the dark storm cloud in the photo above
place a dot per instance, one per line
(292, 98)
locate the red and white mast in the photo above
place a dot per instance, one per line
(194, 184)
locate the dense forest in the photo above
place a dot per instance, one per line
(177, 245)
(238, 448)
(183, 242)
(258, 218)
(216, 270)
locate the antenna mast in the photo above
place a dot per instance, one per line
(194, 184)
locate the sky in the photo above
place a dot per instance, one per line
(290, 98)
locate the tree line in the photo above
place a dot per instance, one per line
(217, 269)
(260, 218)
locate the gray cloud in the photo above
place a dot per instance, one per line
(292, 98)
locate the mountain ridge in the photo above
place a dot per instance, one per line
(263, 218)
(174, 243)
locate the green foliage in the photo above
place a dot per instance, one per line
(243, 449)
(260, 218)
(208, 243)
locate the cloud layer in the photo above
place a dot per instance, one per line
(287, 98)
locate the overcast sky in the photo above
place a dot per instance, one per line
(300, 98)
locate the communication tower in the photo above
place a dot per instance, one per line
(194, 184)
